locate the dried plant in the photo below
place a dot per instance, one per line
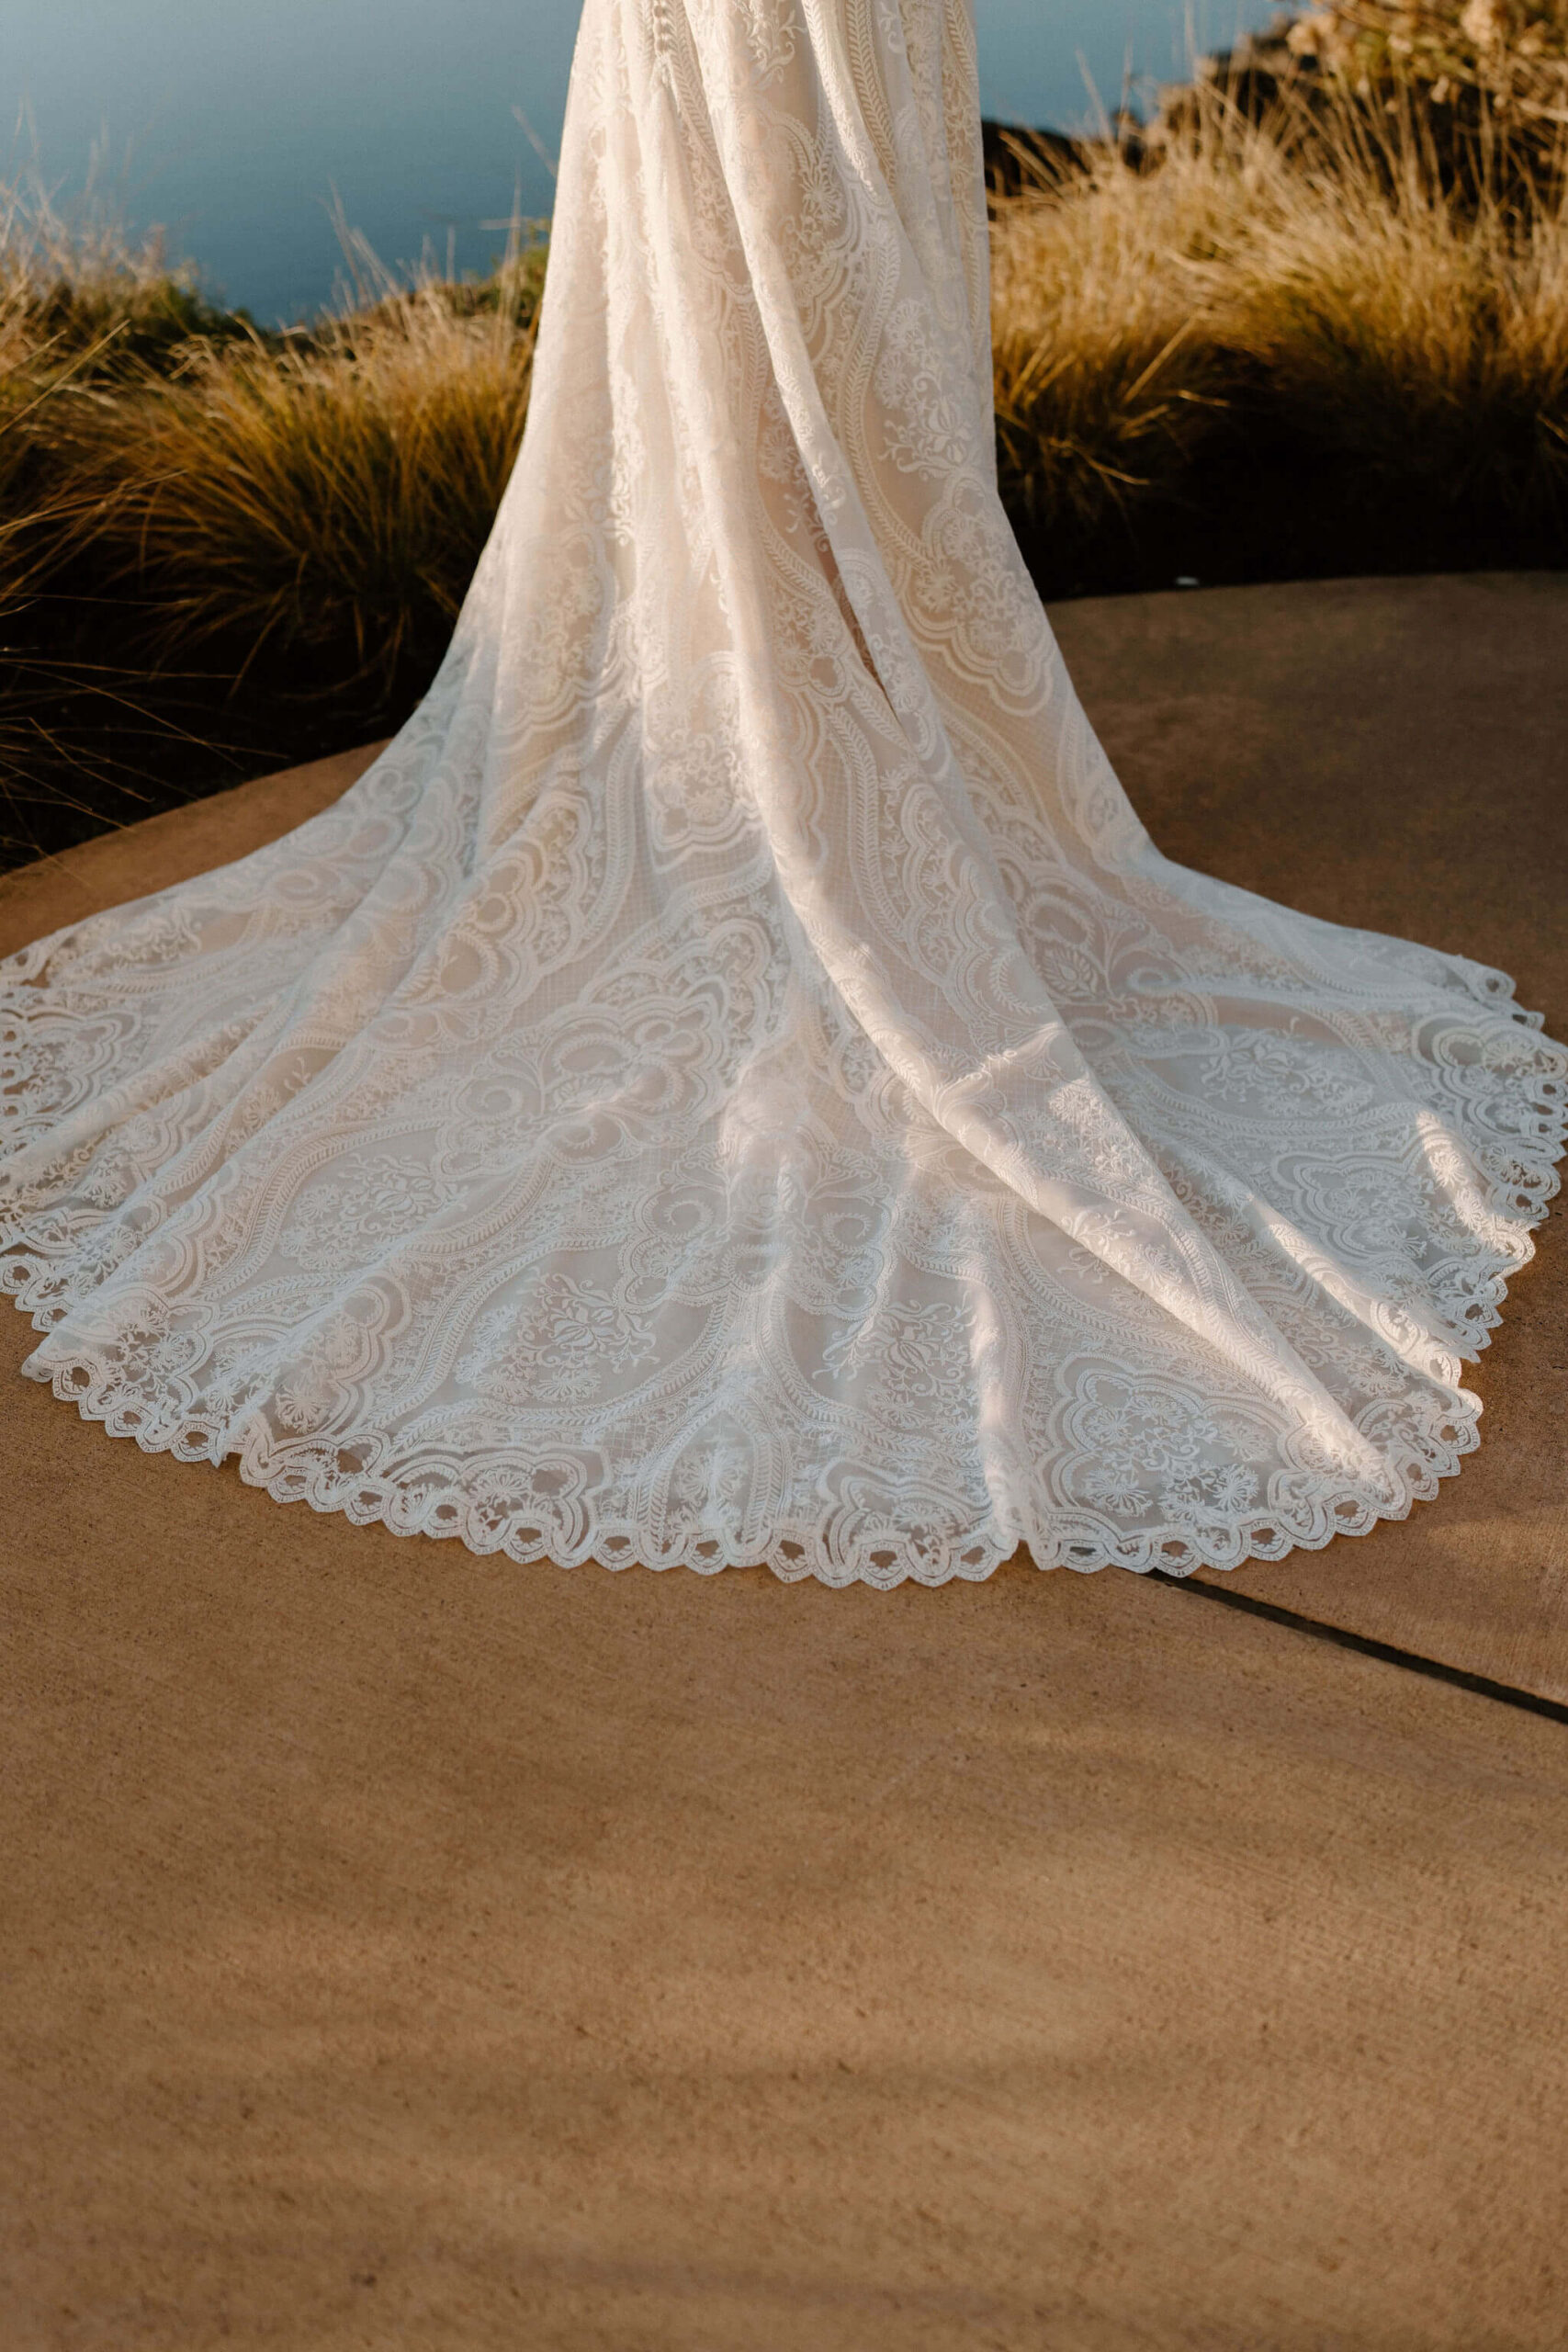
(326, 490)
(1108, 374)
(1280, 262)
(1514, 50)
(1312, 266)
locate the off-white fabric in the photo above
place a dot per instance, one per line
(735, 1082)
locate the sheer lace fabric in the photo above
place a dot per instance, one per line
(735, 1082)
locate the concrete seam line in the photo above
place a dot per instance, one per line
(1506, 1693)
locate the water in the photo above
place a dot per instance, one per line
(235, 126)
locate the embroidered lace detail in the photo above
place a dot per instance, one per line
(735, 1082)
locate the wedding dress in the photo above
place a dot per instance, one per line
(735, 1082)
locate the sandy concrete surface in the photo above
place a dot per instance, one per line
(398, 1949)
(408, 1950)
(35, 899)
(1392, 754)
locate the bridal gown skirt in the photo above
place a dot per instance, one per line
(735, 1081)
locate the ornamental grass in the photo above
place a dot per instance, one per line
(1314, 318)
(1312, 274)
(322, 494)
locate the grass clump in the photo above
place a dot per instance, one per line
(1109, 376)
(1288, 315)
(322, 494)
(1513, 51)
(222, 549)
(1413, 337)
(1313, 318)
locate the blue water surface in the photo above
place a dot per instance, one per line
(236, 125)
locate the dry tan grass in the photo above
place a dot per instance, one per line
(331, 489)
(1109, 371)
(1515, 52)
(327, 493)
(1417, 330)
(1313, 264)
(82, 306)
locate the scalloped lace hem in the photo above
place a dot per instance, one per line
(734, 1083)
(798, 1550)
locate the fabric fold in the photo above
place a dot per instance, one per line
(735, 1082)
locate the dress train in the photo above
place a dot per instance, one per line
(735, 1081)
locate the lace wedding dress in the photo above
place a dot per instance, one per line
(735, 1082)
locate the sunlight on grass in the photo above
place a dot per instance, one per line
(332, 488)
(1316, 265)
(1331, 277)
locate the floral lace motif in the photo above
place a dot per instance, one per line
(735, 1081)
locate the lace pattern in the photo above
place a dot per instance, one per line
(735, 1082)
